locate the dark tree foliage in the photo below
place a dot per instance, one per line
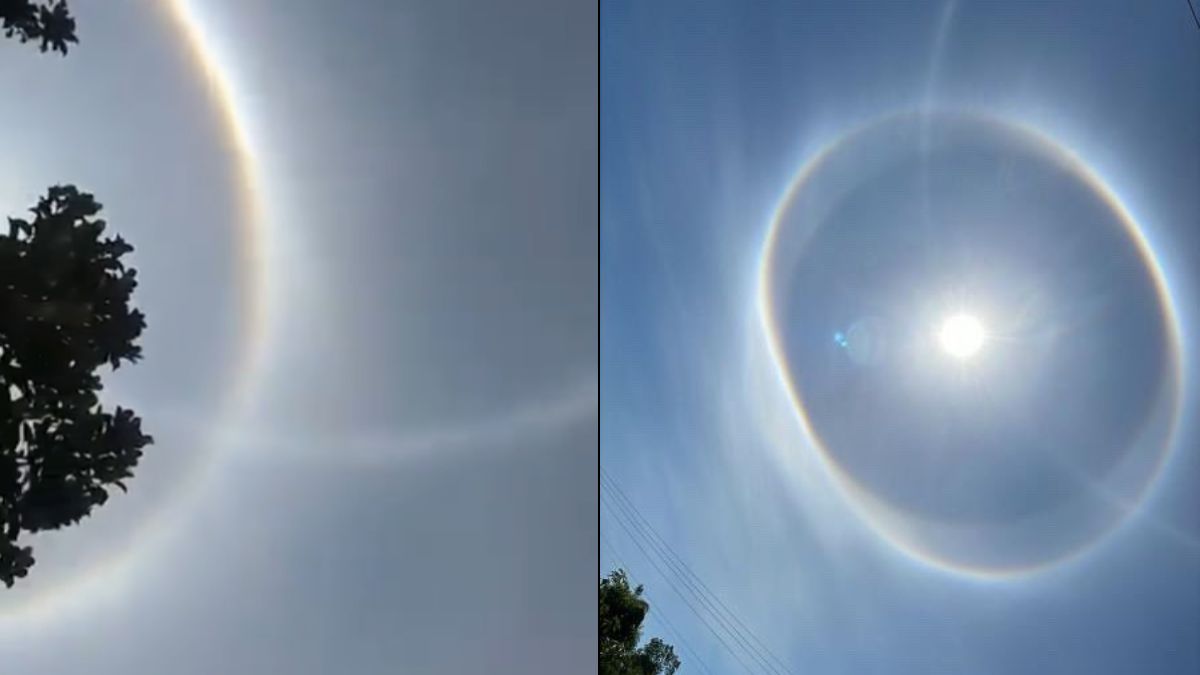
(50, 25)
(64, 316)
(622, 611)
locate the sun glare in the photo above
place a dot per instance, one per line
(961, 336)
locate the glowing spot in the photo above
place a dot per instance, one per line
(961, 336)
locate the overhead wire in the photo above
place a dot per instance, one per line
(706, 604)
(742, 632)
(667, 577)
(659, 613)
(641, 531)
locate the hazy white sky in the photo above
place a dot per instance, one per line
(403, 494)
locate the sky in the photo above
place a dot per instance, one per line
(794, 197)
(366, 238)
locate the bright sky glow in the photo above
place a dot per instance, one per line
(961, 336)
(183, 173)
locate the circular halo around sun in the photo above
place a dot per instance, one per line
(104, 570)
(1028, 458)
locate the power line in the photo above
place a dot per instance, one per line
(703, 589)
(687, 570)
(667, 578)
(627, 526)
(696, 593)
(661, 615)
(744, 637)
(1194, 17)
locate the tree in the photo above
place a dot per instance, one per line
(64, 315)
(50, 25)
(622, 611)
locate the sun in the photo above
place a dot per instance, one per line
(961, 336)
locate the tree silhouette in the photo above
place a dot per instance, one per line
(64, 316)
(622, 611)
(50, 25)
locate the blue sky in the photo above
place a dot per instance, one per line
(708, 111)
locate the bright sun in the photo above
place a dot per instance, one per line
(961, 336)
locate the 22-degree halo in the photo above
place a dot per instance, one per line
(947, 546)
(250, 272)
